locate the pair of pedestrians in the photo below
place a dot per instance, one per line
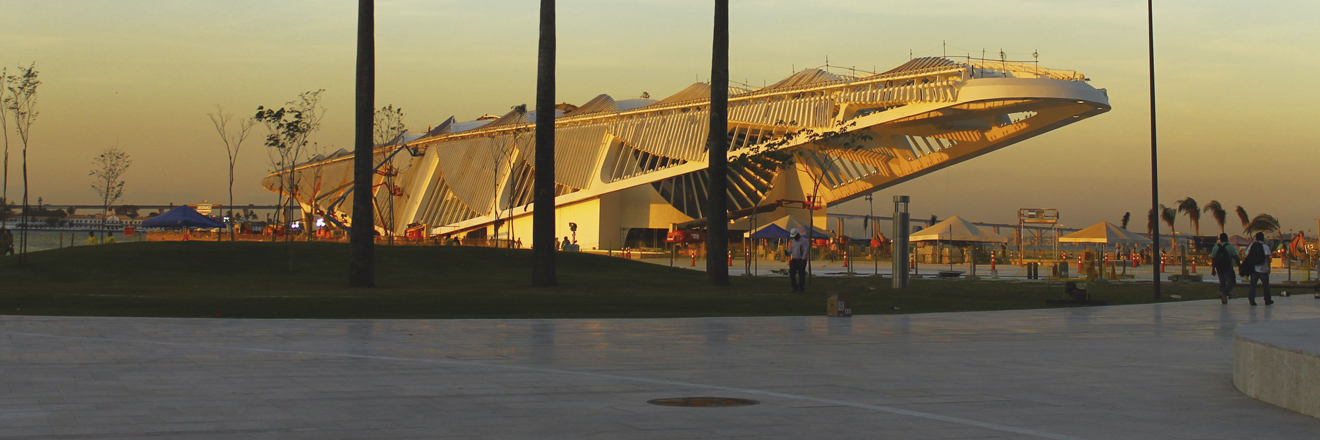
(1256, 267)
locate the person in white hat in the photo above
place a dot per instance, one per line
(798, 252)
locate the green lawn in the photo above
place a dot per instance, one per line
(253, 280)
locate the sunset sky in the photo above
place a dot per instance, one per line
(1236, 90)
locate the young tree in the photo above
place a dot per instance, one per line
(503, 154)
(21, 104)
(109, 169)
(1193, 212)
(1216, 211)
(289, 131)
(4, 128)
(388, 126)
(717, 142)
(543, 218)
(233, 140)
(362, 234)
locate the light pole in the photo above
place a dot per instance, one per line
(900, 253)
(1154, 159)
(869, 224)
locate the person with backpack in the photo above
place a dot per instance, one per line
(1257, 265)
(1223, 258)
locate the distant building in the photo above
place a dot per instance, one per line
(634, 167)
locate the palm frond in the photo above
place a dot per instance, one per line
(1216, 211)
(1263, 223)
(1193, 212)
(1169, 215)
(1242, 215)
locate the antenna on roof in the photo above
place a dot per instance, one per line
(945, 45)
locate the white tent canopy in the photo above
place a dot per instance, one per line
(1104, 233)
(955, 229)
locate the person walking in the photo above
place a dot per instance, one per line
(799, 252)
(1223, 258)
(1257, 265)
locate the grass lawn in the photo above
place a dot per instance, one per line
(254, 280)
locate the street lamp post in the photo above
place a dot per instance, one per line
(1154, 159)
(870, 224)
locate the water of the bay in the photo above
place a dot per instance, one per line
(46, 240)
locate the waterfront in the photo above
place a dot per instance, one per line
(47, 240)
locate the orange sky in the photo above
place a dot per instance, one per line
(1235, 90)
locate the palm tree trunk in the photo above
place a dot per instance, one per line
(362, 264)
(717, 224)
(543, 216)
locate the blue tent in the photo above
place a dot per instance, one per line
(769, 231)
(182, 217)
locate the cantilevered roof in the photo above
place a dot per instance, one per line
(694, 91)
(602, 103)
(444, 128)
(921, 64)
(803, 78)
(629, 104)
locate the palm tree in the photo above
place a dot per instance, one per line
(1217, 211)
(362, 265)
(1264, 223)
(1188, 207)
(1242, 215)
(717, 221)
(1127, 216)
(543, 188)
(1152, 220)
(1169, 215)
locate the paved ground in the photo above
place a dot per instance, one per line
(1006, 271)
(1157, 371)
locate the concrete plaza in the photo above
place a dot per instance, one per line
(1128, 372)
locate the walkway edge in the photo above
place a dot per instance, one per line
(1279, 363)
